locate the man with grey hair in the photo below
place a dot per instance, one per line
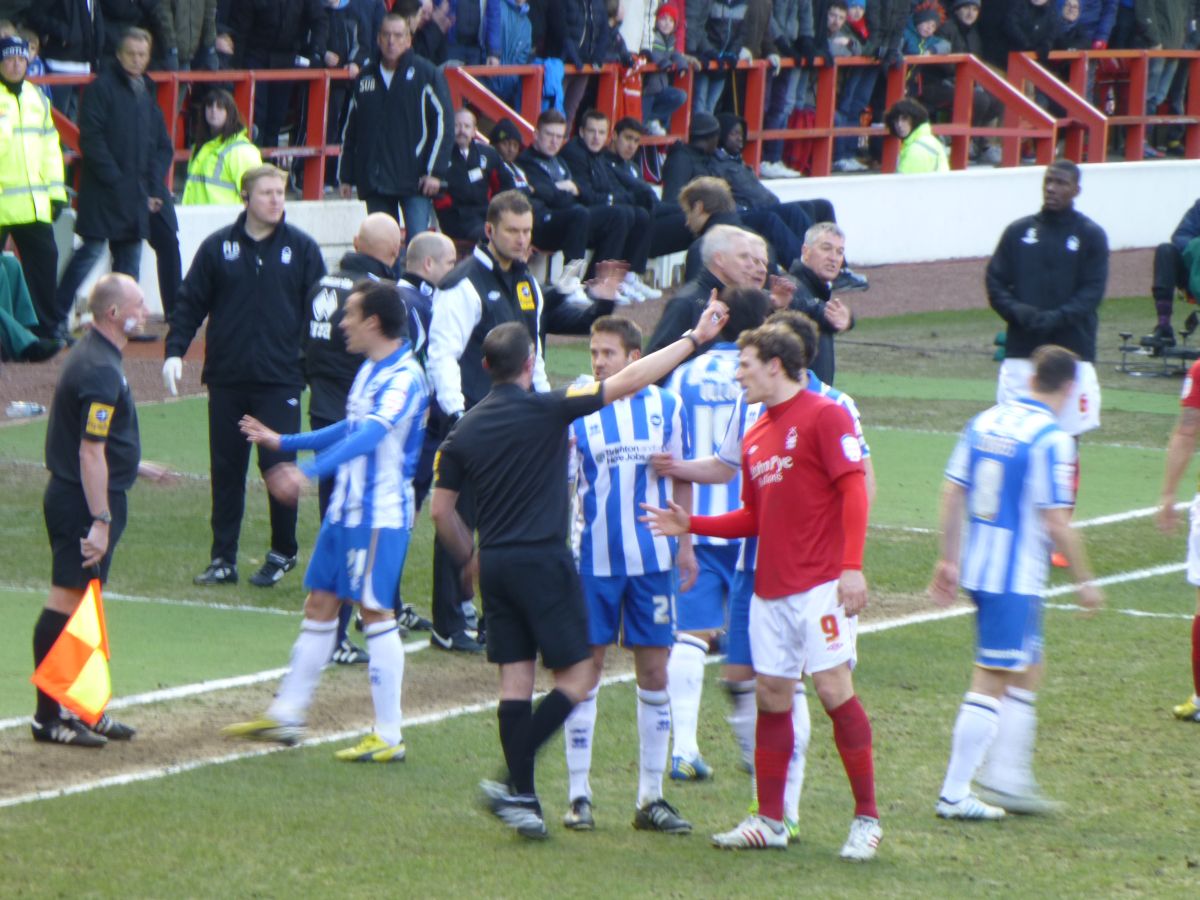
(727, 253)
(820, 262)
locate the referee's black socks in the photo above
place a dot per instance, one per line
(523, 730)
(50, 625)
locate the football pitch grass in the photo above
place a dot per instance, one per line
(297, 823)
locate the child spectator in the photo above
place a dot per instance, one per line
(659, 98)
(36, 67)
(932, 85)
(921, 151)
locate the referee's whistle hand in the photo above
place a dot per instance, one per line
(258, 433)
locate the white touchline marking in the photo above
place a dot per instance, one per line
(166, 601)
(1112, 519)
(456, 712)
(197, 688)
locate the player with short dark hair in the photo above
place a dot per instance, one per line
(1010, 480)
(512, 449)
(628, 575)
(804, 496)
(363, 542)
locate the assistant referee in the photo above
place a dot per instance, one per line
(93, 453)
(511, 450)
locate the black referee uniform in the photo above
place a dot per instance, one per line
(92, 402)
(511, 448)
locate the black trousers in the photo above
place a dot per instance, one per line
(668, 231)
(609, 229)
(165, 243)
(39, 261)
(448, 618)
(277, 407)
(563, 229)
(1169, 273)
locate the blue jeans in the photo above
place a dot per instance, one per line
(417, 211)
(660, 106)
(853, 100)
(784, 93)
(707, 90)
(1158, 82)
(126, 259)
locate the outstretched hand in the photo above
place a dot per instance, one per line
(258, 433)
(671, 522)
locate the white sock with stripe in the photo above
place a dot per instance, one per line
(579, 731)
(386, 671)
(311, 651)
(974, 731)
(743, 716)
(1009, 765)
(685, 683)
(802, 729)
(654, 733)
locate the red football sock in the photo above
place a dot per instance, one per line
(1196, 655)
(774, 738)
(852, 734)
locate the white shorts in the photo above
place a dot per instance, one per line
(801, 634)
(1082, 410)
(1193, 558)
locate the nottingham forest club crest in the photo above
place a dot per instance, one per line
(789, 442)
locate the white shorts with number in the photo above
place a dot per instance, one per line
(1082, 410)
(802, 633)
(1193, 559)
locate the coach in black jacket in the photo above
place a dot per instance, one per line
(1047, 276)
(126, 154)
(250, 279)
(396, 146)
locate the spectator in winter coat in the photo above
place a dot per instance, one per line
(73, 33)
(792, 27)
(715, 34)
(659, 98)
(962, 32)
(192, 32)
(510, 43)
(1032, 25)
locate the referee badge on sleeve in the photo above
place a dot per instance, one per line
(525, 296)
(583, 390)
(99, 419)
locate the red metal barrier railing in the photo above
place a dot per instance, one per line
(314, 151)
(1083, 127)
(1128, 70)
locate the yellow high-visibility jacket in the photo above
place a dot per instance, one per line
(215, 171)
(31, 163)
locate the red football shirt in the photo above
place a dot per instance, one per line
(1191, 387)
(792, 458)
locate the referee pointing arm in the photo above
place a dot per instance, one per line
(511, 450)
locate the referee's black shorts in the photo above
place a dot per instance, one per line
(68, 521)
(534, 603)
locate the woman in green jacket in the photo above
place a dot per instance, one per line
(920, 149)
(223, 152)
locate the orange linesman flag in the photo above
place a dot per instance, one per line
(75, 671)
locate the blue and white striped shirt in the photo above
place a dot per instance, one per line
(613, 478)
(1014, 461)
(375, 488)
(710, 394)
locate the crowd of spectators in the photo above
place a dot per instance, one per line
(588, 178)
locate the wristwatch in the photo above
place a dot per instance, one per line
(691, 336)
(105, 517)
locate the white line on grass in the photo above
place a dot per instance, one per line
(1112, 519)
(166, 601)
(197, 688)
(456, 712)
